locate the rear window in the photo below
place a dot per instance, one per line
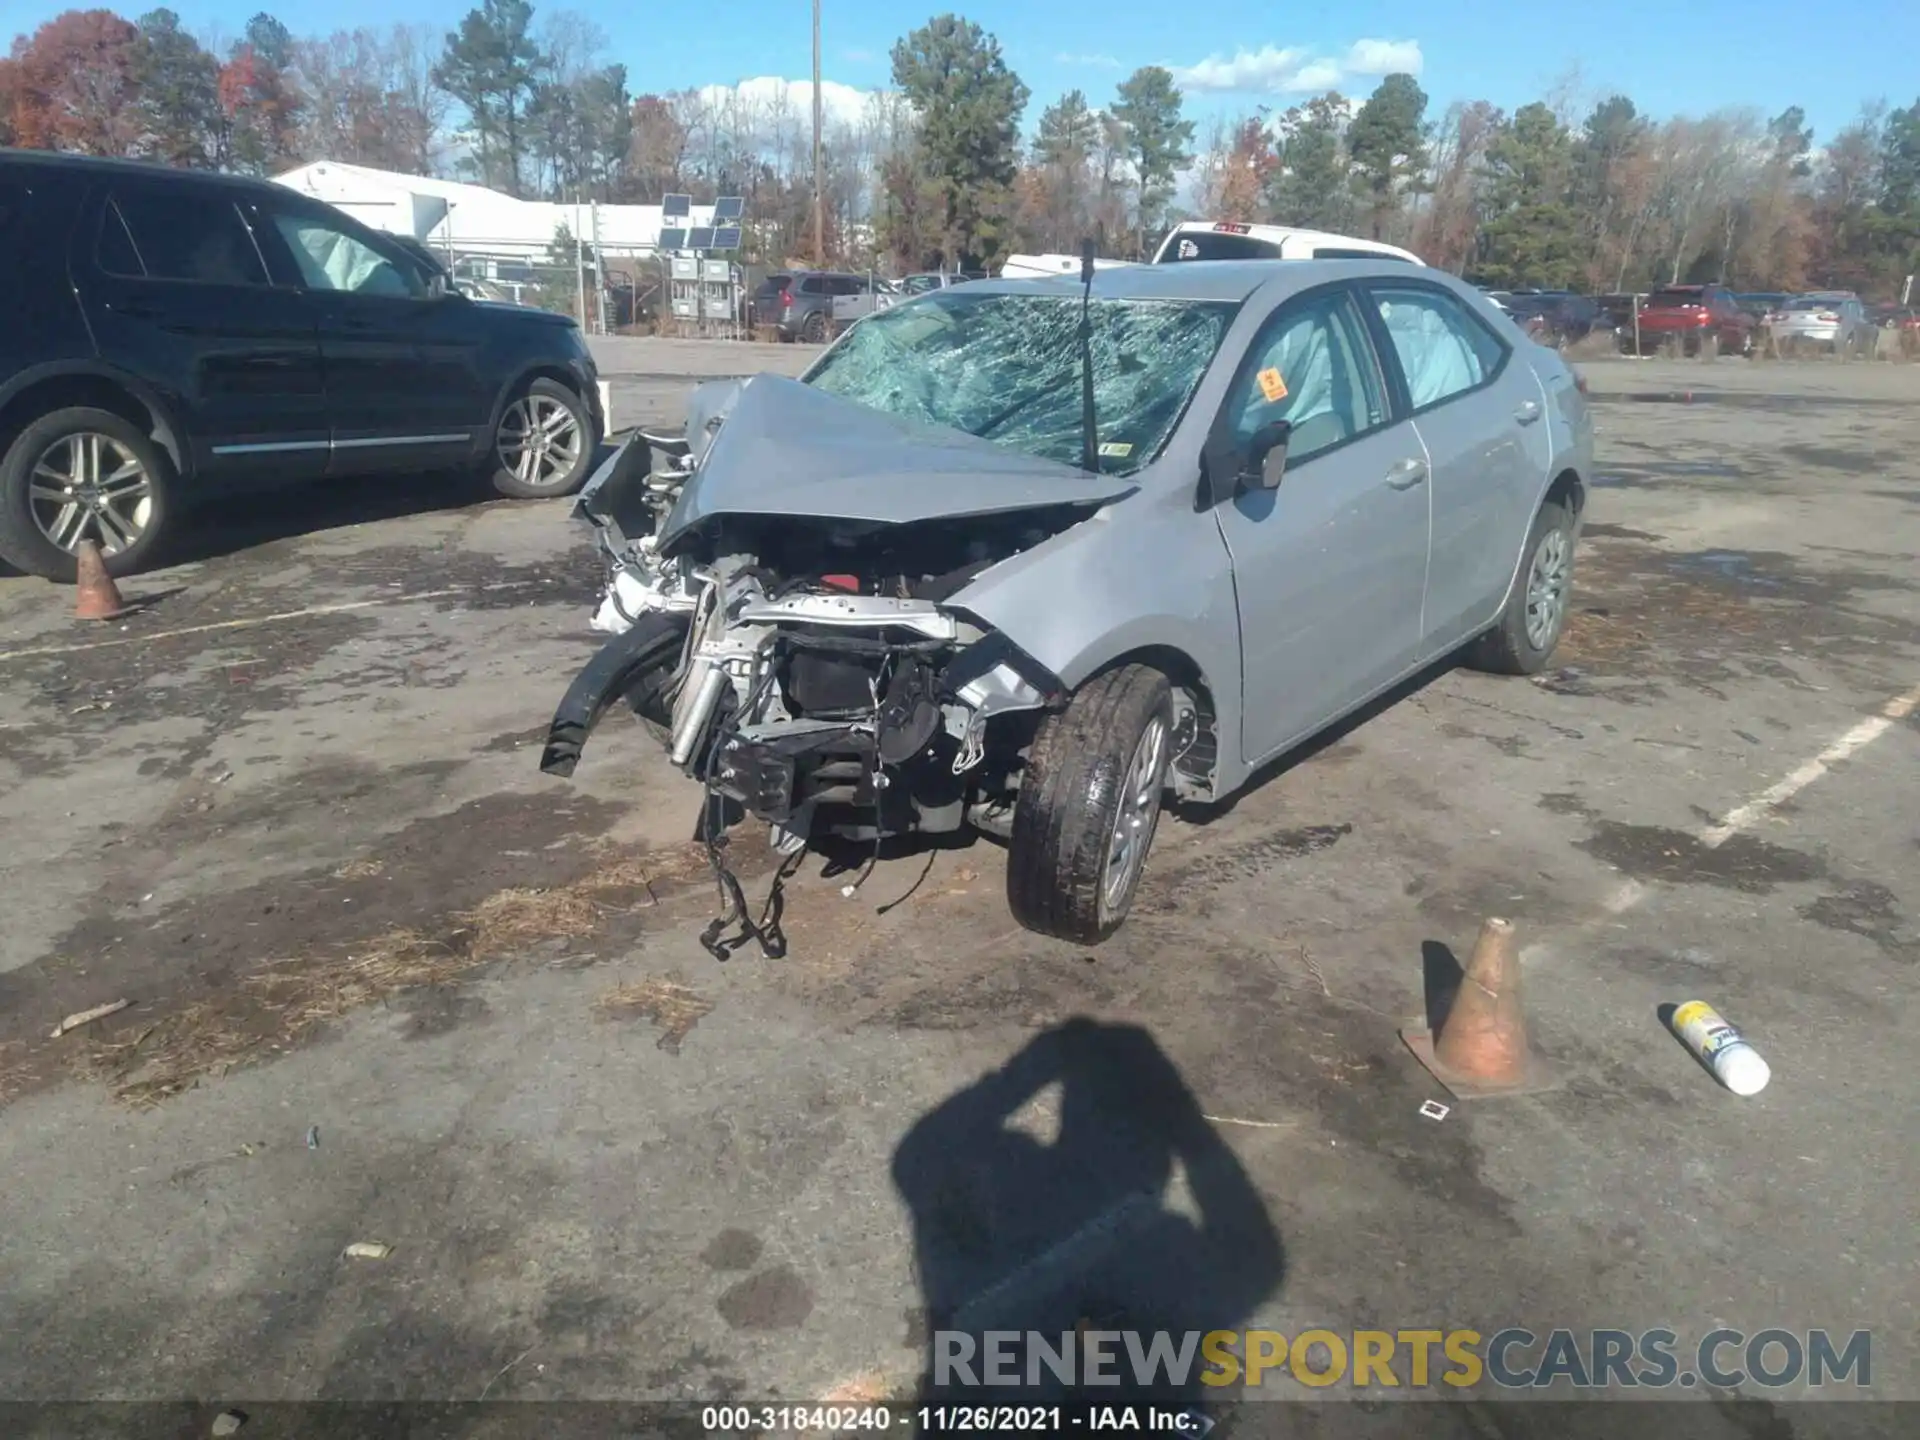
(1814, 302)
(773, 284)
(180, 233)
(1335, 254)
(1220, 245)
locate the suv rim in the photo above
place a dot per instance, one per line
(539, 440)
(1133, 825)
(90, 487)
(1546, 589)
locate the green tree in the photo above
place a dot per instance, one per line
(1059, 189)
(1387, 144)
(260, 99)
(1148, 106)
(1311, 188)
(179, 88)
(1067, 132)
(490, 66)
(1531, 235)
(969, 105)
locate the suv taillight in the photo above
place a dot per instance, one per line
(786, 299)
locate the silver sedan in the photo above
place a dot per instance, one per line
(1017, 558)
(1835, 320)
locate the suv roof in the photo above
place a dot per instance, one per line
(139, 169)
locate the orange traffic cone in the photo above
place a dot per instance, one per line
(1480, 1047)
(99, 598)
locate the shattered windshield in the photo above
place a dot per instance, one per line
(1007, 369)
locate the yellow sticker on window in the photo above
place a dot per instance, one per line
(1271, 385)
(1115, 450)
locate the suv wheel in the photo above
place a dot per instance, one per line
(814, 331)
(1089, 803)
(82, 474)
(545, 442)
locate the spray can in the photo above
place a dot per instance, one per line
(1735, 1063)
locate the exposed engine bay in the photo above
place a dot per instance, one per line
(809, 671)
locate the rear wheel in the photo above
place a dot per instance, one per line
(1529, 628)
(82, 474)
(814, 330)
(1089, 805)
(544, 443)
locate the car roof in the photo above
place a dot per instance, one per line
(133, 169)
(1231, 280)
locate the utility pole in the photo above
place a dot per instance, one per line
(819, 233)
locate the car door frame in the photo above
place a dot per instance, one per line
(1257, 749)
(1436, 636)
(387, 446)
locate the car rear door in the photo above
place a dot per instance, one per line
(1480, 411)
(178, 293)
(1329, 569)
(405, 367)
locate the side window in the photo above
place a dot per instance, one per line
(849, 285)
(1313, 366)
(331, 259)
(179, 233)
(814, 285)
(1443, 351)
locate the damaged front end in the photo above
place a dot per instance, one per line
(814, 672)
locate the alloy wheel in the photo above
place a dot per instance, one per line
(1135, 815)
(1547, 588)
(540, 441)
(90, 486)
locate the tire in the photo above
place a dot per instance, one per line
(550, 467)
(1509, 648)
(1088, 806)
(813, 329)
(128, 514)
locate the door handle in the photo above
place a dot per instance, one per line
(1407, 474)
(1528, 413)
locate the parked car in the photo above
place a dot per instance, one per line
(1699, 319)
(168, 336)
(799, 304)
(914, 592)
(1554, 317)
(1833, 319)
(1761, 303)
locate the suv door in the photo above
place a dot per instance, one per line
(1329, 569)
(1480, 410)
(405, 380)
(177, 293)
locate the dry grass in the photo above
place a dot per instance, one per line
(285, 1000)
(674, 1007)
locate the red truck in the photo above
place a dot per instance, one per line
(1700, 319)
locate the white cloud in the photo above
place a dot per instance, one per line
(1096, 62)
(1274, 70)
(839, 104)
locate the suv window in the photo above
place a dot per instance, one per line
(1335, 253)
(331, 259)
(178, 233)
(1312, 365)
(774, 284)
(848, 285)
(815, 285)
(1443, 350)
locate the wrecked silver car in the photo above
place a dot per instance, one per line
(1023, 556)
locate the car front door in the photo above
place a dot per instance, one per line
(1330, 567)
(1481, 414)
(403, 360)
(177, 292)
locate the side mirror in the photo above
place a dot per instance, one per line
(1266, 458)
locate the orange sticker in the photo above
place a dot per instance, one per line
(1271, 385)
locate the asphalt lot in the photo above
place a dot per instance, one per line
(291, 811)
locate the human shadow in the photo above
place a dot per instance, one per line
(1013, 1234)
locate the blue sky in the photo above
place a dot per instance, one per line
(1669, 58)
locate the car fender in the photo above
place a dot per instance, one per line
(168, 431)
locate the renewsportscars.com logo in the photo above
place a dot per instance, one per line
(1513, 1358)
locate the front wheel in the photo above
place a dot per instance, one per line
(544, 443)
(1529, 628)
(82, 474)
(1089, 804)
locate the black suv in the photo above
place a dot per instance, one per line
(169, 335)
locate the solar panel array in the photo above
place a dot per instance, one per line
(729, 207)
(727, 237)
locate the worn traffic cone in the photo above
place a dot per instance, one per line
(99, 597)
(1480, 1048)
